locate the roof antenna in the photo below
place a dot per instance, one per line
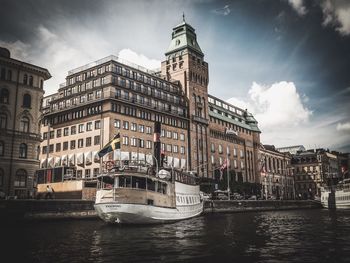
(183, 16)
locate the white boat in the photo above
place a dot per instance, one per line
(138, 195)
(337, 196)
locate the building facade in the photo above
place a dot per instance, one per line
(314, 169)
(276, 173)
(21, 93)
(198, 131)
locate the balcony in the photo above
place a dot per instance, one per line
(200, 119)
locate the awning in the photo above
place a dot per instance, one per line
(64, 160)
(125, 156)
(58, 161)
(176, 162)
(88, 158)
(80, 159)
(96, 157)
(71, 160)
(183, 163)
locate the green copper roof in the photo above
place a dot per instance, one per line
(183, 37)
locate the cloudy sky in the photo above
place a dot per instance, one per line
(287, 61)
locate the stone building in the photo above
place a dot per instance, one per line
(111, 95)
(276, 173)
(21, 93)
(313, 169)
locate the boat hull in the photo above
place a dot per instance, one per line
(339, 199)
(145, 214)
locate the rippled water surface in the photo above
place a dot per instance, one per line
(283, 236)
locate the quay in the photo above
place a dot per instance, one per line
(25, 210)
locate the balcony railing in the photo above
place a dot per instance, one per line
(200, 119)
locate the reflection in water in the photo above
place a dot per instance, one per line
(285, 236)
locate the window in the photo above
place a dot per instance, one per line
(89, 126)
(72, 145)
(88, 142)
(2, 148)
(175, 148)
(3, 121)
(23, 150)
(148, 130)
(30, 80)
(125, 140)
(80, 143)
(27, 101)
(168, 134)
(182, 136)
(59, 133)
(25, 79)
(65, 146)
(97, 140)
(87, 173)
(220, 148)
(81, 128)
(168, 148)
(182, 150)
(24, 124)
(141, 128)
(133, 142)
(175, 135)
(97, 125)
(212, 148)
(4, 96)
(126, 125)
(58, 147)
(241, 153)
(117, 124)
(20, 178)
(133, 126)
(149, 144)
(73, 130)
(65, 132)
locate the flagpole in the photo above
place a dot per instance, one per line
(228, 176)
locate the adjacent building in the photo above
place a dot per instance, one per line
(314, 169)
(276, 173)
(21, 93)
(198, 131)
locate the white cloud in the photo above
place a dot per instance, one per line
(337, 13)
(298, 6)
(276, 106)
(280, 111)
(224, 11)
(343, 127)
(139, 59)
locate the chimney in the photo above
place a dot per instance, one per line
(156, 141)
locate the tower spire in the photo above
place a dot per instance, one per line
(183, 16)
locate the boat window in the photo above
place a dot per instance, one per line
(151, 185)
(161, 188)
(138, 182)
(125, 181)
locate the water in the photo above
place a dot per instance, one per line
(282, 236)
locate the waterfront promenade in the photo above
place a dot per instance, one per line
(83, 209)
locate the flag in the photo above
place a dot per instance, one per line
(224, 165)
(222, 168)
(110, 146)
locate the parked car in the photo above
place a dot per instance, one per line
(220, 195)
(253, 197)
(205, 196)
(237, 196)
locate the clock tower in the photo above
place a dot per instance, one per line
(185, 63)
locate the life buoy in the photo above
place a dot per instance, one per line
(109, 165)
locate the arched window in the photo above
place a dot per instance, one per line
(3, 121)
(23, 150)
(30, 80)
(25, 79)
(20, 178)
(2, 148)
(41, 84)
(1, 177)
(4, 96)
(27, 100)
(24, 124)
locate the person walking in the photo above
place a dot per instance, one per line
(49, 192)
